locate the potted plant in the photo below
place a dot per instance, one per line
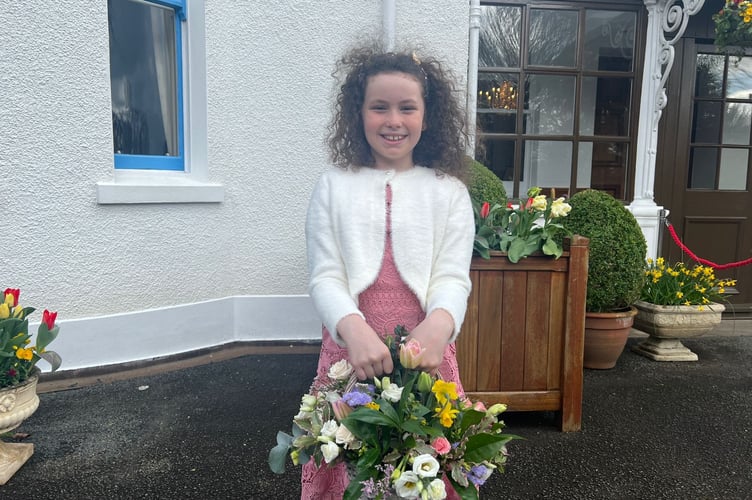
(733, 26)
(615, 273)
(677, 302)
(521, 341)
(19, 375)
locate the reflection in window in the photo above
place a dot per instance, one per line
(144, 79)
(702, 162)
(733, 172)
(609, 40)
(721, 119)
(533, 91)
(499, 40)
(709, 79)
(553, 37)
(550, 100)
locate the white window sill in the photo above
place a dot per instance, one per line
(157, 187)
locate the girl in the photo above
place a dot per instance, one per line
(390, 232)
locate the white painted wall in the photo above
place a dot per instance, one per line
(122, 276)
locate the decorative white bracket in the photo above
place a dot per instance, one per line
(667, 22)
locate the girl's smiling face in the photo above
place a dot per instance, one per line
(393, 113)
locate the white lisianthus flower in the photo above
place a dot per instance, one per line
(347, 438)
(340, 370)
(330, 451)
(425, 465)
(559, 208)
(308, 403)
(392, 392)
(329, 429)
(436, 490)
(539, 202)
(408, 485)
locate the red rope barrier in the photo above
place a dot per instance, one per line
(703, 261)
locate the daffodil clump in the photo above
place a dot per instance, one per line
(522, 227)
(733, 25)
(18, 355)
(677, 284)
(399, 435)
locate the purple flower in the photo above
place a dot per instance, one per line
(479, 474)
(356, 398)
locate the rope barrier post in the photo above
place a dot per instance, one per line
(662, 222)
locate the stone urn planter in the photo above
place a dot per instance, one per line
(17, 403)
(667, 325)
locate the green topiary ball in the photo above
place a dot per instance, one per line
(617, 249)
(485, 185)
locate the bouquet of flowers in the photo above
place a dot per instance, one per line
(521, 228)
(733, 25)
(398, 434)
(17, 357)
(674, 285)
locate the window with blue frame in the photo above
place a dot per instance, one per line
(146, 80)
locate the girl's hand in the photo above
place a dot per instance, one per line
(433, 333)
(367, 353)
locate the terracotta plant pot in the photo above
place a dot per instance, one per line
(606, 335)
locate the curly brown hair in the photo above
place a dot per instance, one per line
(442, 143)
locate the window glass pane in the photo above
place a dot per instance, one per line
(547, 164)
(605, 106)
(733, 174)
(499, 40)
(706, 125)
(553, 37)
(607, 170)
(497, 102)
(702, 164)
(709, 78)
(143, 72)
(498, 155)
(549, 104)
(739, 82)
(736, 123)
(609, 40)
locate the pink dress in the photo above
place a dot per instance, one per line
(387, 303)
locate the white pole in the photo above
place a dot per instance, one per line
(389, 15)
(472, 75)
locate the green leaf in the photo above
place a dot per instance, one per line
(278, 454)
(45, 336)
(52, 358)
(551, 248)
(369, 416)
(484, 447)
(471, 417)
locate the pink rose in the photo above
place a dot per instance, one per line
(441, 445)
(479, 406)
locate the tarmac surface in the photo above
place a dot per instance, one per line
(650, 430)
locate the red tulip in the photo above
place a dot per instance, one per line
(49, 318)
(13, 292)
(485, 210)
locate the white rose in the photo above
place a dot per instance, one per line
(408, 485)
(340, 370)
(329, 429)
(436, 490)
(330, 451)
(308, 403)
(392, 392)
(345, 437)
(425, 466)
(559, 208)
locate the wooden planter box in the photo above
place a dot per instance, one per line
(522, 339)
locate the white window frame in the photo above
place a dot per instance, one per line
(191, 185)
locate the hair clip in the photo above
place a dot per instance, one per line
(415, 58)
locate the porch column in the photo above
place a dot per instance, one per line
(472, 75)
(667, 21)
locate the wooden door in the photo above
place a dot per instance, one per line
(704, 173)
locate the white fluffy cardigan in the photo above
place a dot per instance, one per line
(432, 239)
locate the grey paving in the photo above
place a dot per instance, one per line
(650, 430)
